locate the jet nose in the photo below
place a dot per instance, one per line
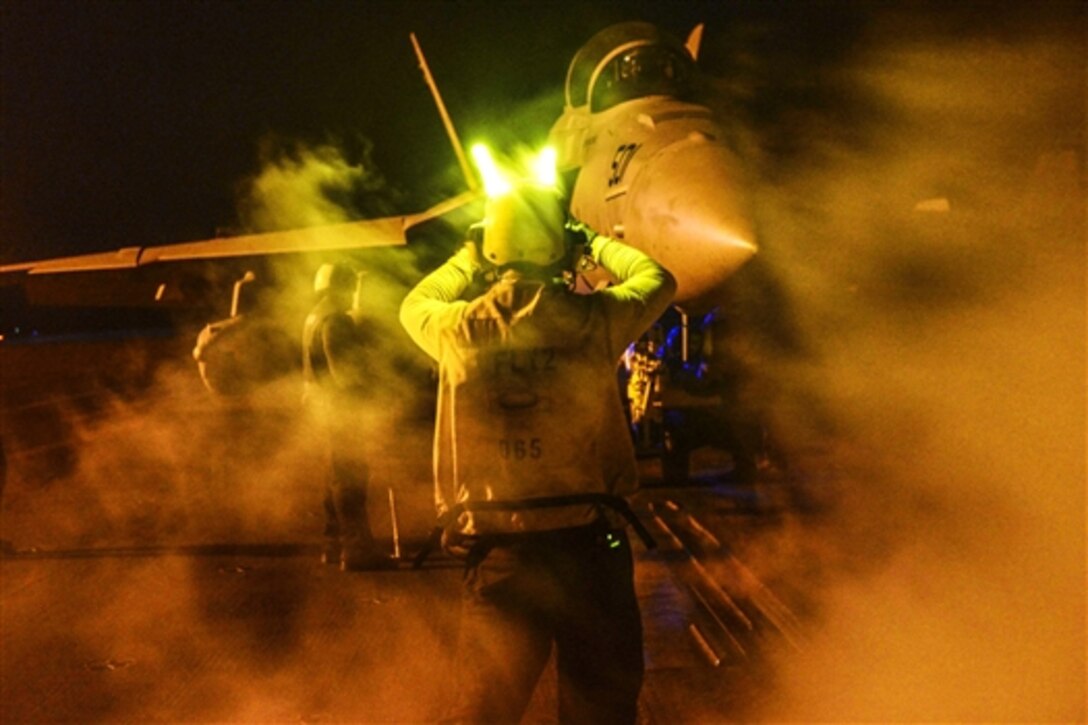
(687, 210)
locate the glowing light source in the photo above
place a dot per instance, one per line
(499, 181)
(544, 167)
(495, 182)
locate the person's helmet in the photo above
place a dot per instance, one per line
(524, 225)
(336, 277)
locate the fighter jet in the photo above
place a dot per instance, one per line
(642, 160)
(650, 165)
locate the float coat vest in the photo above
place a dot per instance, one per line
(528, 403)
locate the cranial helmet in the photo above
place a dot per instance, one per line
(524, 225)
(337, 277)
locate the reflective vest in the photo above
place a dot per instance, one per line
(528, 402)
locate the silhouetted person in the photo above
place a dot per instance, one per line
(713, 372)
(531, 447)
(334, 374)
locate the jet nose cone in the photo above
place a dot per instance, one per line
(687, 210)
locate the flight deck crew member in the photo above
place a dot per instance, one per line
(333, 356)
(528, 410)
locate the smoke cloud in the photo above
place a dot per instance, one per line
(302, 185)
(929, 243)
(121, 459)
(917, 317)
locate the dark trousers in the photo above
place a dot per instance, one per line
(573, 588)
(345, 499)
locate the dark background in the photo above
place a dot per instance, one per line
(132, 123)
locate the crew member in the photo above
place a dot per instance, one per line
(333, 355)
(529, 413)
(713, 373)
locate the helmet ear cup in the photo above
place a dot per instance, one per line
(476, 234)
(571, 237)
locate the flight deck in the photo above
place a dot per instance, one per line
(161, 564)
(265, 633)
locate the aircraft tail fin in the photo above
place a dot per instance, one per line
(695, 40)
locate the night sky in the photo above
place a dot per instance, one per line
(134, 123)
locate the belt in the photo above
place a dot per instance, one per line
(616, 503)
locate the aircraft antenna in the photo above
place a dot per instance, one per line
(466, 171)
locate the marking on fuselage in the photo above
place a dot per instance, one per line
(620, 161)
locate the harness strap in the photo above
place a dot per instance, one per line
(616, 503)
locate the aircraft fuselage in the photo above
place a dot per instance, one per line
(655, 173)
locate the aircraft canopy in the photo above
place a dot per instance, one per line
(626, 61)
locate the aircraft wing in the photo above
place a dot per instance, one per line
(384, 232)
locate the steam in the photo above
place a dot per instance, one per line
(934, 406)
(302, 185)
(923, 368)
(167, 471)
(201, 469)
